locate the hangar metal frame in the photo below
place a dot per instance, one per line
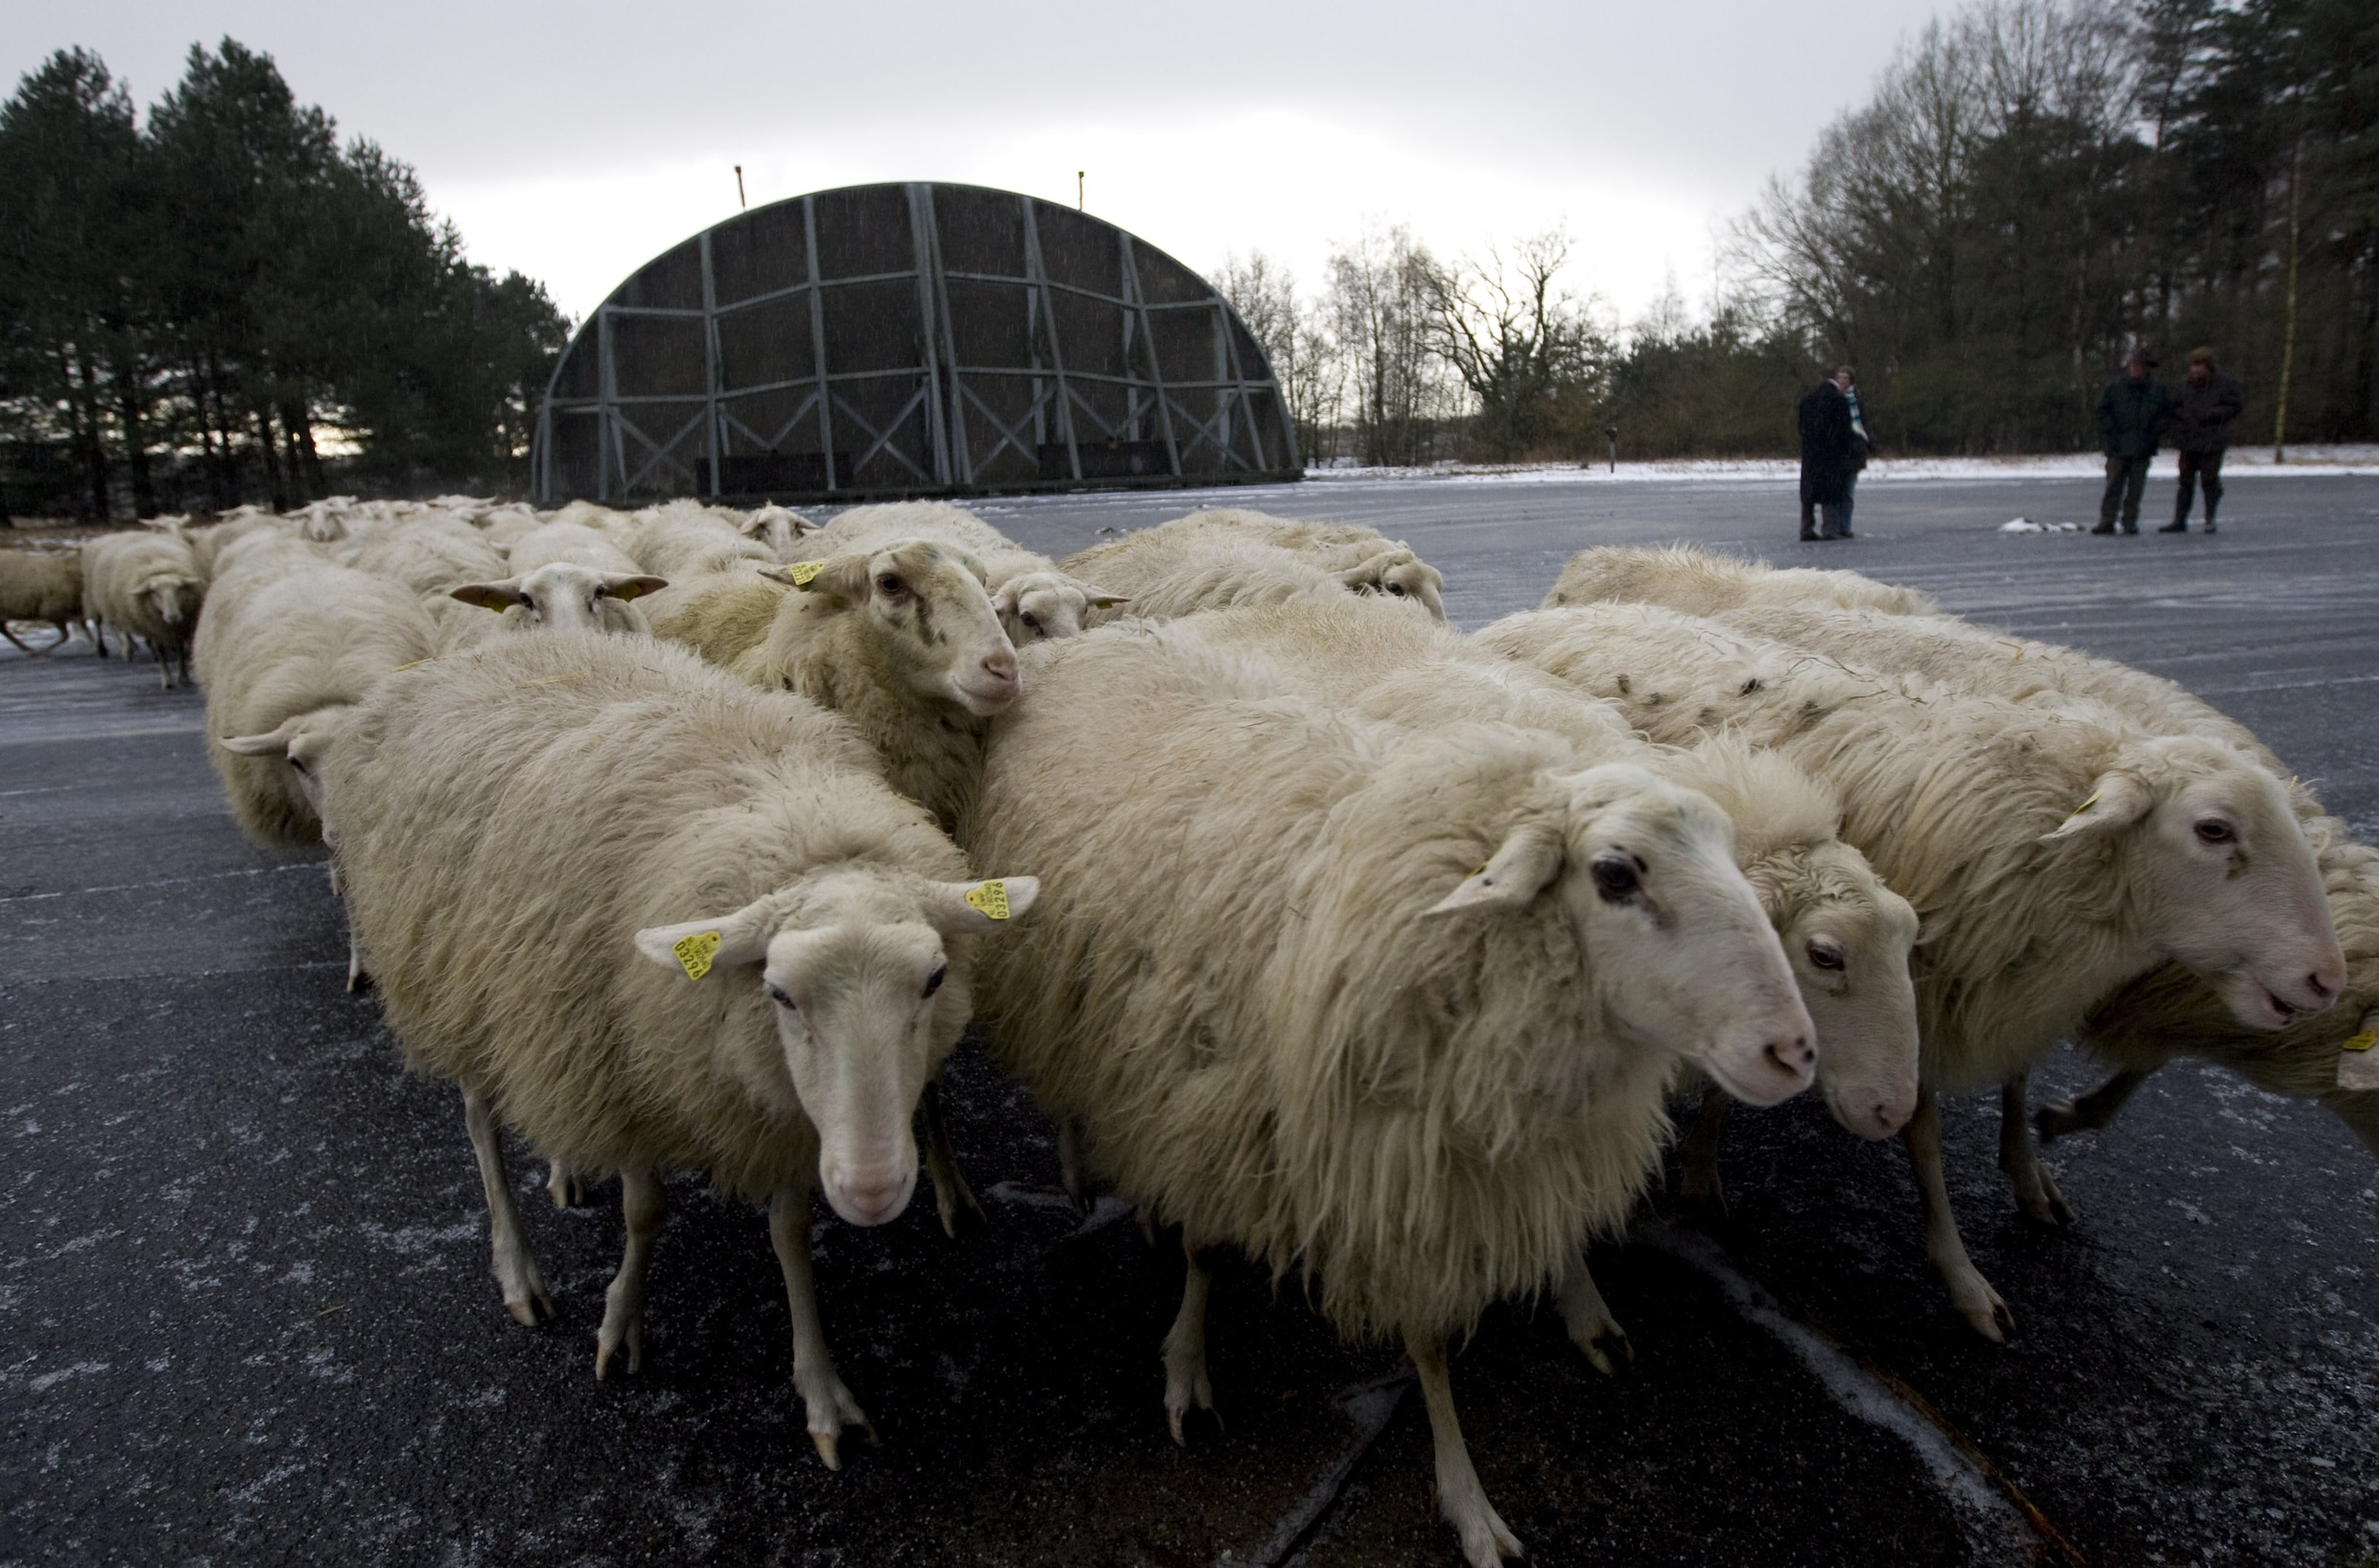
(753, 359)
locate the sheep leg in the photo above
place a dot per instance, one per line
(12, 637)
(2036, 1190)
(1592, 1329)
(1185, 1348)
(1460, 1498)
(1070, 1165)
(515, 1269)
(1698, 1159)
(830, 1405)
(941, 1163)
(165, 668)
(2090, 1111)
(644, 1202)
(1969, 1291)
(563, 1185)
(358, 975)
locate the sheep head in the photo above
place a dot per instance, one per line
(1037, 605)
(564, 597)
(1675, 944)
(1399, 573)
(865, 971)
(778, 529)
(926, 615)
(2221, 877)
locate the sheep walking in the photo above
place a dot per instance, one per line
(575, 542)
(146, 584)
(1034, 597)
(2053, 853)
(1702, 582)
(1185, 566)
(41, 586)
(685, 538)
(565, 596)
(1391, 1007)
(424, 555)
(767, 951)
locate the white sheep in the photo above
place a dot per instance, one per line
(779, 529)
(1172, 571)
(685, 538)
(1034, 597)
(507, 526)
(575, 542)
(1387, 1007)
(424, 554)
(1362, 557)
(2173, 1014)
(2054, 852)
(146, 584)
(41, 585)
(766, 953)
(901, 638)
(1698, 581)
(564, 596)
(279, 658)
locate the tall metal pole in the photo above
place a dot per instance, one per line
(2288, 332)
(738, 187)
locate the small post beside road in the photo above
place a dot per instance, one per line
(738, 187)
(1612, 431)
(1078, 189)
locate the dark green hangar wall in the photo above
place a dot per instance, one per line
(908, 340)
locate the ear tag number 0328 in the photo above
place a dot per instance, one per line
(989, 899)
(803, 573)
(2363, 1042)
(694, 954)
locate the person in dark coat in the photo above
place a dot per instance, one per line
(2208, 402)
(1828, 459)
(2131, 413)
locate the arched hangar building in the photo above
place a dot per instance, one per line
(908, 340)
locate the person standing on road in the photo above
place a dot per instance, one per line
(1828, 459)
(2202, 414)
(2131, 419)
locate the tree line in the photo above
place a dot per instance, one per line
(2032, 188)
(223, 301)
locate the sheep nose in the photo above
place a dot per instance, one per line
(1001, 666)
(1795, 1055)
(2325, 990)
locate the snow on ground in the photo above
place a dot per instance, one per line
(2362, 459)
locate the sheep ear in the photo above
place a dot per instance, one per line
(2358, 1062)
(970, 908)
(273, 742)
(490, 595)
(842, 579)
(2115, 802)
(620, 585)
(1100, 598)
(695, 948)
(1526, 866)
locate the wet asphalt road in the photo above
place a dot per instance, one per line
(244, 1315)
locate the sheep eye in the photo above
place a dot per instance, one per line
(1033, 622)
(1825, 954)
(891, 585)
(2214, 831)
(601, 589)
(299, 765)
(1615, 878)
(933, 981)
(777, 995)
(1396, 588)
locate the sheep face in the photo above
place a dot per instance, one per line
(1680, 953)
(2220, 876)
(1037, 606)
(854, 965)
(564, 597)
(1399, 574)
(304, 741)
(1847, 938)
(172, 599)
(930, 619)
(778, 529)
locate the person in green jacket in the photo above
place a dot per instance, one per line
(2131, 413)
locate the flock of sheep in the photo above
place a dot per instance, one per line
(1326, 933)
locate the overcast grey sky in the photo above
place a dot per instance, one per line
(573, 141)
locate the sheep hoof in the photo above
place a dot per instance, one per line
(561, 1184)
(2047, 1205)
(2054, 1120)
(832, 1409)
(1486, 1540)
(610, 1341)
(828, 1444)
(524, 1290)
(1989, 1315)
(1605, 1347)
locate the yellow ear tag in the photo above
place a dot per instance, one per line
(990, 897)
(802, 574)
(2363, 1042)
(2084, 807)
(694, 954)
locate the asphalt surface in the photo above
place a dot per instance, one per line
(246, 1317)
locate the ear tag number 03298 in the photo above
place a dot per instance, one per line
(2363, 1042)
(989, 899)
(803, 573)
(694, 954)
